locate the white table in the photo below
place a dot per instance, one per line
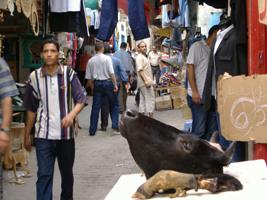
(252, 174)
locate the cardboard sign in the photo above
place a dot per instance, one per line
(262, 5)
(242, 105)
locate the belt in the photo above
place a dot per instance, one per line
(103, 80)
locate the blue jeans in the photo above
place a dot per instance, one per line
(156, 73)
(46, 152)
(105, 110)
(204, 122)
(104, 89)
(109, 18)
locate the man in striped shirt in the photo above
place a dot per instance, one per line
(48, 100)
(7, 90)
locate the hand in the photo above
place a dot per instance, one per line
(67, 121)
(148, 84)
(127, 87)
(4, 141)
(27, 142)
(115, 88)
(196, 98)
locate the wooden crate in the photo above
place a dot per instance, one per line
(163, 102)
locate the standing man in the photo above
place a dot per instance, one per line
(204, 123)
(128, 65)
(102, 81)
(7, 90)
(48, 101)
(154, 58)
(121, 76)
(145, 81)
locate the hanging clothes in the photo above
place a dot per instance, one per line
(183, 18)
(65, 6)
(69, 21)
(109, 19)
(137, 19)
(213, 3)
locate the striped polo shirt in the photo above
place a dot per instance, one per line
(7, 85)
(52, 97)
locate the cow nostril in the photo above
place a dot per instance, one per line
(130, 113)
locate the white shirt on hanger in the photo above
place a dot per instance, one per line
(60, 6)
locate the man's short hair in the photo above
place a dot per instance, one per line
(50, 41)
(107, 48)
(123, 45)
(213, 29)
(99, 45)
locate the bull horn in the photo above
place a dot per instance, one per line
(214, 137)
(131, 113)
(229, 152)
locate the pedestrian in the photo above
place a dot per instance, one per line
(145, 81)
(154, 58)
(8, 89)
(204, 122)
(128, 65)
(102, 81)
(49, 94)
(121, 76)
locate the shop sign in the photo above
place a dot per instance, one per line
(262, 5)
(242, 106)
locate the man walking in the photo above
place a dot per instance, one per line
(102, 81)
(154, 58)
(128, 65)
(121, 76)
(145, 81)
(204, 123)
(7, 90)
(48, 100)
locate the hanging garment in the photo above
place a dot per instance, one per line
(72, 22)
(109, 18)
(183, 19)
(137, 19)
(93, 4)
(165, 20)
(65, 5)
(215, 4)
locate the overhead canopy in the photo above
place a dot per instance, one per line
(214, 3)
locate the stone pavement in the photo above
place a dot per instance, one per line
(99, 161)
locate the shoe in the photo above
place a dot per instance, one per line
(103, 128)
(91, 134)
(116, 129)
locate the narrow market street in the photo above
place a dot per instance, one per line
(100, 161)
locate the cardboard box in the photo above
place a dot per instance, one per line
(242, 106)
(177, 103)
(163, 102)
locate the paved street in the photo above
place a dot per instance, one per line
(100, 161)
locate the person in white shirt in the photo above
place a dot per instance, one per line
(145, 81)
(154, 58)
(203, 124)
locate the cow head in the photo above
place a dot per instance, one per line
(157, 146)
